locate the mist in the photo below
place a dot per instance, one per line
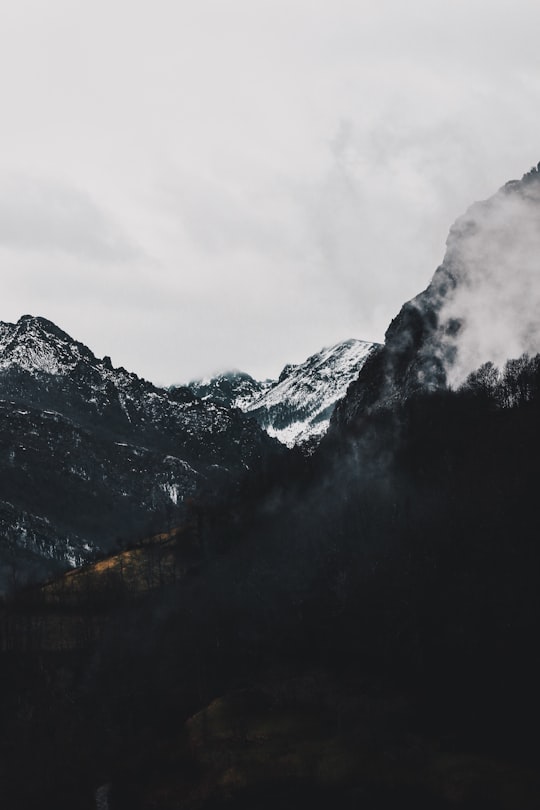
(493, 255)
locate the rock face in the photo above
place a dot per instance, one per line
(296, 408)
(90, 453)
(481, 306)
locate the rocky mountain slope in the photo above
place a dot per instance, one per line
(297, 407)
(90, 454)
(481, 306)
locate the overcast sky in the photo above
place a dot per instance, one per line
(192, 186)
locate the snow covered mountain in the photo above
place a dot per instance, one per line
(90, 453)
(297, 407)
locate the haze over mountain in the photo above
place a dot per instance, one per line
(481, 306)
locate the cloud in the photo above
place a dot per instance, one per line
(494, 253)
(222, 219)
(40, 215)
(239, 184)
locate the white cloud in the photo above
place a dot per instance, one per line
(240, 183)
(495, 252)
(39, 215)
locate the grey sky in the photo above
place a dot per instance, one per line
(190, 186)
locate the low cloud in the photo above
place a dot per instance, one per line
(494, 254)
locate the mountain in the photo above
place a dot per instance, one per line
(232, 389)
(90, 453)
(481, 307)
(355, 628)
(296, 408)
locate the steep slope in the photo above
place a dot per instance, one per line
(90, 453)
(481, 306)
(296, 408)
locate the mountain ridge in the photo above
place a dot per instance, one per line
(90, 453)
(295, 408)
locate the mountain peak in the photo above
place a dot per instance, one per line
(36, 344)
(39, 325)
(230, 388)
(39, 321)
(295, 408)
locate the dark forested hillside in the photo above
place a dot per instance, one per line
(395, 597)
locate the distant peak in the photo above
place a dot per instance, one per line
(36, 344)
(36, 319)
(28, 322)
